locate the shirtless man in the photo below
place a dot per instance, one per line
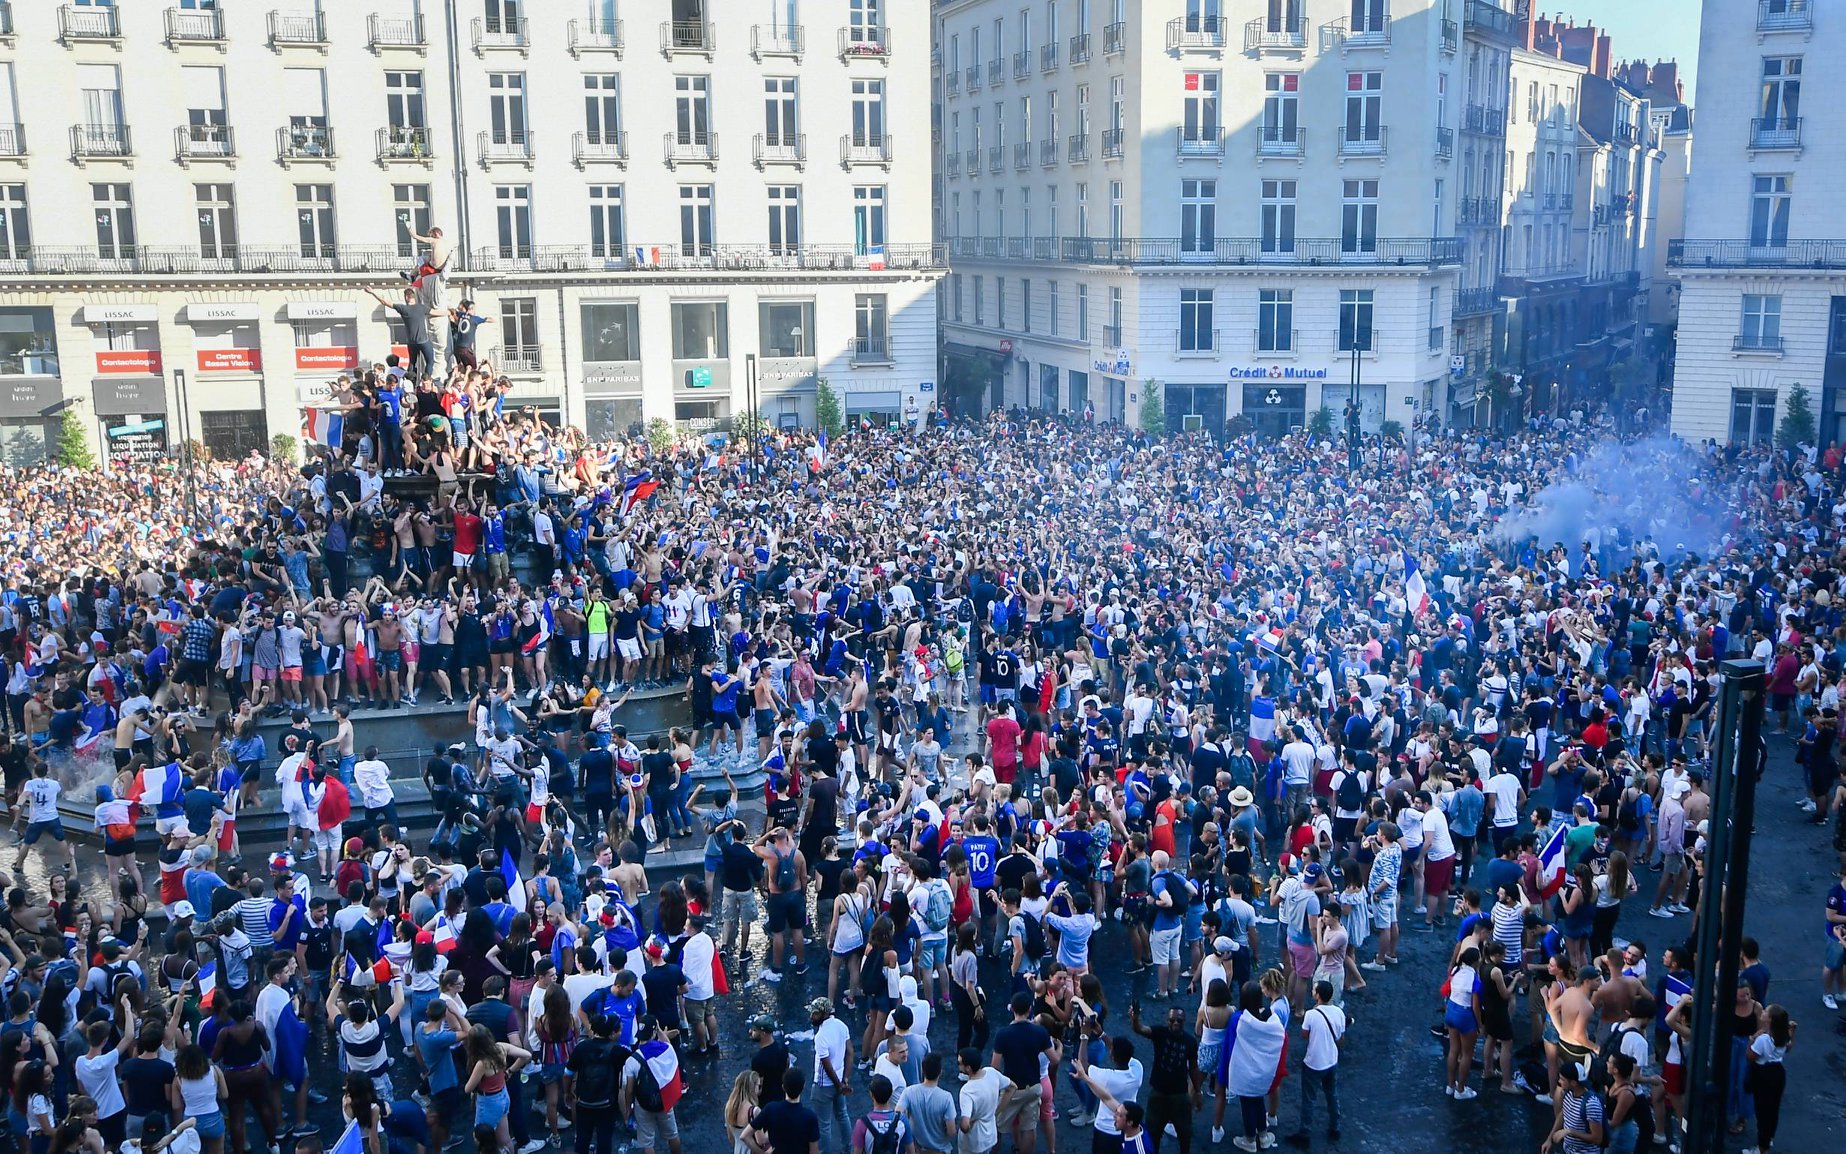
(361, 670)
(389, 635)
(786, 872)
(332, 625)
(1571, 1012)
(764, 701)
(858, 720)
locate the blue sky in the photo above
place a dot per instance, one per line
(1650, 29)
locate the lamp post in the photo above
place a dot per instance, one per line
(1352, 402)
(750, 429)
(182, 404)
(1410, 435)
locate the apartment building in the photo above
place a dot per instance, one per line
(1249, 205)
(1762, 268)
(666, 208)
(1672, 120)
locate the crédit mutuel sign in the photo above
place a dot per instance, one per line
(1276, 373)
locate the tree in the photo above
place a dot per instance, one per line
(1797, 427)
(73, 448)
(1153, 409)
(827, 412)
(1391, 430)
(749, 426)
(660, 434)
(282, 448)
(1320, 424)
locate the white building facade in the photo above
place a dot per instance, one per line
(1227, 203)
(666, 209)
(1762, 268)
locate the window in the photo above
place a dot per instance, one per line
(404, 100)
(519, 329)
(602, 109)
(506, 107)
(15, 228)
(1052, 307)
(785, 328)
(611, 331)
(1435, 325)
(1275, 321)
(1052, 120)
(1364, 99)
(868, 207)
(1355, 320)
(695, 220)
(701, 331)
(955, 296)
(1025, 304)
(608, 223)
(1115, 316)
(1083, 110)
(1118, 96)
(1762, 322)
(217, 209)
(1769, 207)
(28, 342)
(503, 16)
(99, 87)
(314, 219)
(1359, 217)
(1752, 416)
(1025, 212)
(980, 300)
(1083, 311)
(999, 212)
(1200, 123)
(864, 22)
(410, 213)
(1368, 16)
(1281, 108)
(1051, 210)
(1116, 218)
(779, 112)
(1195, 331)
(513, 219)
(1083, 210)
(868, 113)
(203, 88)
(1198, 210)
(1000, 302)
(784, 218)
(1278, 212)
(871, 327)
(1781, 92)
(692, 109)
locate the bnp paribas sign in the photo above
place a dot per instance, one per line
(1277, 373)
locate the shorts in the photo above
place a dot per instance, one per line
(463, 561)
(1673, 1077)
(490, 1109)
(209, 1125)
(35, 830)
(551, 1073)
(298, 815)
(1438, 874)
(193, 673)
(262, 673)
(1344, 828)
(653, 1131)
(629, 648)
(765, 722)
(166, 825)
(787, 912)
(497, 567)
(697, 1008)
(739, 906)
(119, 847)
(599, 646)
(1304, 959)
(1673, 864)
(291, 674)
(329, 840)
(1836, 954)
(1020, 1108)
(1459, 1018)
(1165, 945)
(436, 655)
(931, 955)
(1384, 912)
(855, 727)
(390, 660)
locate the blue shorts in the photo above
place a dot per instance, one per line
(1836, 954)
(931, 954)
(1459, 1018)
(35, 830)
(209, 1125)
(489, 1109)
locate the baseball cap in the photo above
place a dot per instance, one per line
(181, 909)
(1223, 945)
(1314, 870)
(767, 1022)
(821, 1006)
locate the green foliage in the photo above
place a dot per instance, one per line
(827, 411)
(73, 451)
(1797, 427)
(749, 425)
(660, 434)
(1153, 409)
(1391, 430)
(282, 448)
(1320, 422)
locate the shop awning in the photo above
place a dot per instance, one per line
(238, 311)
(29, 396)
(142, 314)
(126, 395)
(323, 311)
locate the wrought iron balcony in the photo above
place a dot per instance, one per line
(297, 30)
(1784, 16)
(951, 82)
(402, 143)
(88, 23)
(204, 142)
(1362, 140)
(1304, 251)
(1204, 140)
(781, 149)
(871, 350)
(1273, 340)
(973, 161)
(951, 165)
(1492, 21)
(1484, 120)
(1775, 133)
(1451, 37)
(406, 32)
(500, 34)
(1196, 33)
(866, 42)
(100, 142)
(682, 37)
(790, 40)
(1022, 64)
(1112, 143)
(1815, 254)
(1756, 343)
(1283, 33)
(1048, 57)
(690, 148)
(1474, 302)
(512, 146)
(601, 147)
(1281, 140)
(858, 148)
(972, 74)
(995, 72)
(596, 34)
(12, 141)
(1022, 155)
(1079, 147)
(305, 142)
(1080, 48)
(1345, 36)
(195, 26)
(1114, 38)
(1445, 143)
(996, 158)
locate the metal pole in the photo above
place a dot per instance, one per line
(1352, 410)
(457, 133)
(750, 425)
(1735, 770)
(182, 400)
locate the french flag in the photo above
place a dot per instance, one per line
(324, 427)
(875, 258)
(636, 489)
(1270, 638)
(515, 885)
(661, 1059)
(1415, 591)
(1551, 864)
(157, 785)
(444, 937)
(34, 668)
(208, 982)
(1262, 719)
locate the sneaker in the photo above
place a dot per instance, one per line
(1175, 1133)
(316, 1097)
(1657, 912)
(1217, 1134)
(1519, 1081)
(1466, 1093)
(1421, 910)
(532, 1146)
(1448, 1091)
(1542, 1099)
(1678, 908)
(802, 968)
(1806, 803)
(1243, 1143)
(771, 975)
(1829, 1001)
(1373, 967)
(1266, 1139)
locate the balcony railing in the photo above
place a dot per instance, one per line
(1112, 143)
(1451, 37)
(1816, 254)
(864, 148)
(1474, 302)
(1080, 48)
(1775, 133)
(989, 246)
(1114, 38)
(1362, 140)
(1275, 340)
(1079, 148)
(1329, 251)
(1207, 140)
(1445, 143)
(12, 140)
(185, 261)
(1478, 210)
(1751, 343)
(195, 26)
(1567, 201)
(88, 23)
(789, 40)
(1018, 248)
(504, 147)
(500, 34)
(995, 72)
(688, 36)
(1281, 140)
(406, 32)
(782, 149)
(596, 35)
(1048, 57)
(1022, 155)
(518, 359)
(1783, 16)
(1198, 343)
(1486, 121)
(863, 42)
(996, 155)
(1022, 65)
(1195, 33)
(1278, 34)
(1491, 20)
(690, 148)
(598, 148)
(1548, 201)
(951, 165)
(204, 142)
(973, 161)
(309, 31)
(951, 82)
(1047, 152)
(972, 74)
(100, 141)
(310, 142)
(1342, 34)
(404, 143)
(871, 351)
(675, 257)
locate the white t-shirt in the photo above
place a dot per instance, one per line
(1123, 1086)
(1503, 789)
(832, 1041)
(1297, 762)
(1324, 1026)
(695, 962)
(42, 799)
(580, 985)
(97, 1077)
(980, 1101)
(1436, 836)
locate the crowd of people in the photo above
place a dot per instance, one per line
(1017, 690)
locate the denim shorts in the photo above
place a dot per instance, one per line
(209, 1125)
(489, 1109)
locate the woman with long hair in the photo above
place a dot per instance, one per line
(970, 1002)
(1497, 993)
(31, 1118)
(78, 1130)
(1576, 912)
(489, 1063)
(517, 956)
(1462, 1015)
(1768, 1075)
(740, 1110)
(846, 935)
(1257, 1032)
(877, 969)
(556, 1031)
(1612, 887)
(359, 1103)
(198, 1093)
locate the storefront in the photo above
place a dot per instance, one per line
(1194, 408)
(30, 390)
(225, 338)
(131, 418)
(879, 409)
(974, 379)
(1275, 409)
(126, 338)
(326, 345)
(701, 365)
(786, 368)
(611, 347)
(1048, 388)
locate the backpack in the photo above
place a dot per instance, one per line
(1180, 890)
(785, 872)
(1601, 1077)
(647, 1086)
(882, 1141)
(937, 907)
(1351, 792)
(1033, 936)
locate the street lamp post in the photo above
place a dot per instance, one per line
(750, 429)
(182, 404)
(1352, 405)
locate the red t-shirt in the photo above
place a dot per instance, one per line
(1003, 732)
(467, 532)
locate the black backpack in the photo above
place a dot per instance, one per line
(1351, 792)
(647, 1086)
(882, 1141)
(1180, 891)
(1033, 936)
